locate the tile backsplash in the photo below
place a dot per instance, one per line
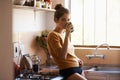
(112, 57)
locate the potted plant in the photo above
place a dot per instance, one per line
(42, 41)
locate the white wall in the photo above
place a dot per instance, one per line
(26, 20)
(6, 52)
(50, 25)
(23, 20)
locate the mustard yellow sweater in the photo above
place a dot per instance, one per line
(55, 41)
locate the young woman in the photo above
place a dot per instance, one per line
(60, 48)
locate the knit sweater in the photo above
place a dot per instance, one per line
(54, 43)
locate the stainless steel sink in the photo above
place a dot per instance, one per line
(86, 67)
(102, 69)
(107, 69)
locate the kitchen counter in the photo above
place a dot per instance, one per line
(39, 75)
(111, 69)
(97, 71)
(102, 72)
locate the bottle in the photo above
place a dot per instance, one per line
(37, 3)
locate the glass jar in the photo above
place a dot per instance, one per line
(35, 63)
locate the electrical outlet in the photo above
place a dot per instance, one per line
(16, 49)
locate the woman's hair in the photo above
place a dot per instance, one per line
(60, 11)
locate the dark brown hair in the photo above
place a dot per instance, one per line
(60, 11)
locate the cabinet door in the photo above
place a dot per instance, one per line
(96, 77)
(114, 77)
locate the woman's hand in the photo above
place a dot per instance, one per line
(49, 71)
(80, 62)
(69, 28)
(45, 70)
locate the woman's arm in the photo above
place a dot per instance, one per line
(64, 48)
(49, 70)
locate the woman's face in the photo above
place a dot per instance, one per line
(62, 21)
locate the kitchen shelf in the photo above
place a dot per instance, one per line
(32, 8)
(23, 7)
(44, 9)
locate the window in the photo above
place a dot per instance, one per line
(95, 22)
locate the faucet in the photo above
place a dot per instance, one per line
(95, 55)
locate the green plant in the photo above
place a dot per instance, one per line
(42, 41)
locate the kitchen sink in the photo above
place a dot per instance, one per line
(107, 69)
(102, 69)
(87, 67)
